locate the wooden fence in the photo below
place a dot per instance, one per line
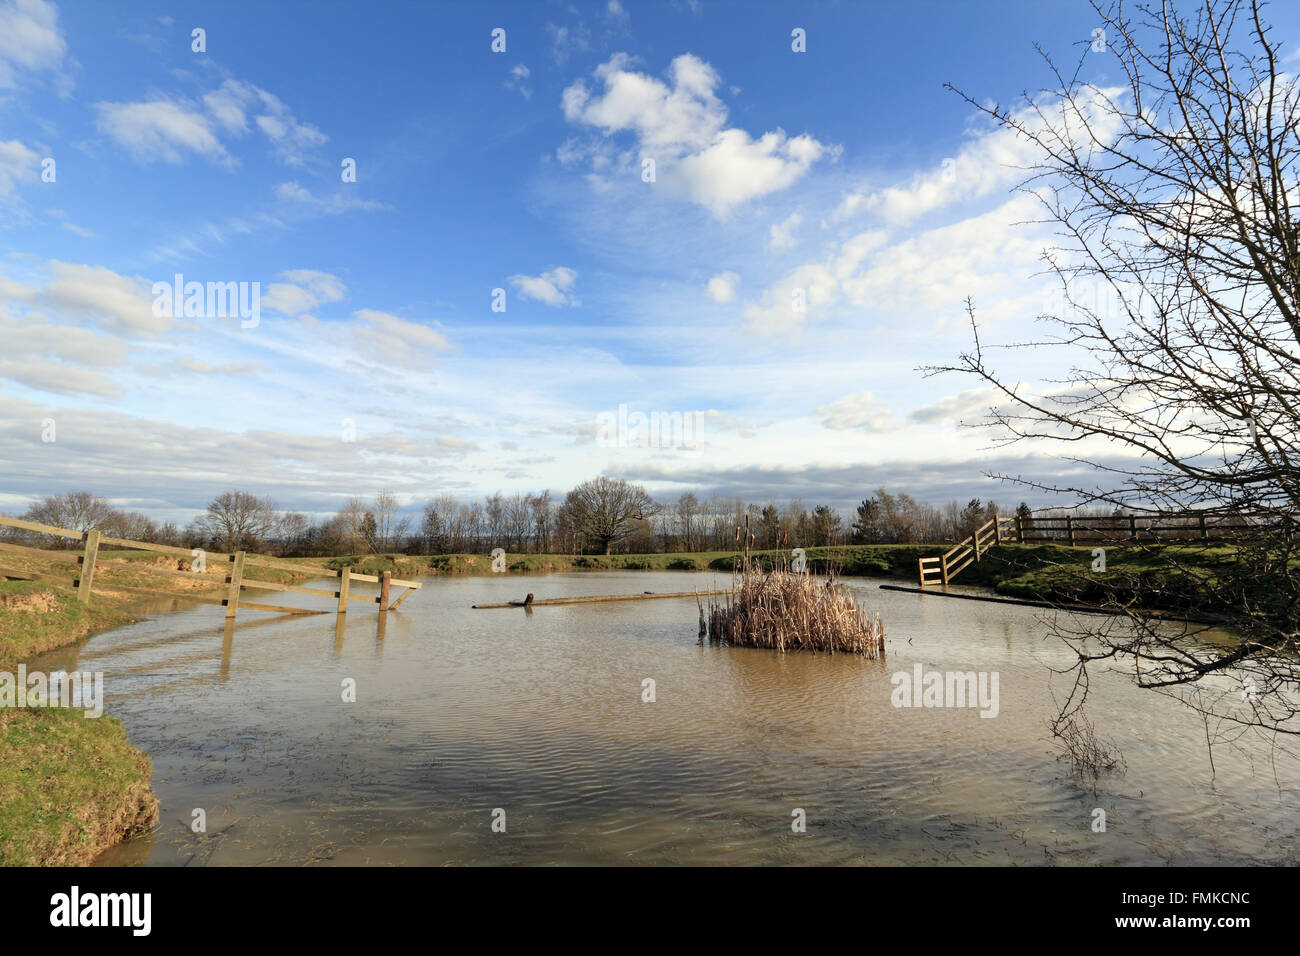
(1103, 529)
(236, 581)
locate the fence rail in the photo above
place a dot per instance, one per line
(235, 582)
(1160, 528)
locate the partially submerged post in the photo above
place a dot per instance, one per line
(235, 580)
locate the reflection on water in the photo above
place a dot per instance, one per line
(461, 712)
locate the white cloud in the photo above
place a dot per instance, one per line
(790, 301)
(860, 410)
(722, 287)
(341, 201)
(168, 129)
(162, 129)
(565, 41)
(953, 408)
(117, 302)
(30, 40)
(17, 164)
(992, 160)
(390, 339)
(682, 126)
(303, 290)
(781, 235)
(552, 288)
(518, 74)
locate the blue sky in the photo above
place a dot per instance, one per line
(378, 361)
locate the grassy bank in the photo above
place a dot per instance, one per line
(72, 786)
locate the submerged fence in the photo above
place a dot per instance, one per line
(235, 582)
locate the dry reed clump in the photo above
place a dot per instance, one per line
(791, 611)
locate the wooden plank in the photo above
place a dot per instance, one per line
(159, 548)
(405, 594)
(296, 588)
(235, 580)
(276, 607)
(605, 599)
(87, 578)
(39, 553)
(42, 528)
(377, 579)
(383, 590)
(952, 573)
(259, 560)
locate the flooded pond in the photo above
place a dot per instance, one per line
(460, 713)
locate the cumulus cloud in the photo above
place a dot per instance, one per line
(722, 287)
(552, 288)
(781, 234)
(681, 124)
(302, 291)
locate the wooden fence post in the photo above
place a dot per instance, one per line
(1069, 528)
(383, 590)
(975, 545)
(235, 580)
(1205, 534)
(87, 562)
(920, 571)
(1020, 530)
(943, 569)
(997, 530)
(1132, 527)
(345, 579)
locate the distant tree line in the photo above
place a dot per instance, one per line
(603, 515)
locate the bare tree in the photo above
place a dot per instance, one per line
(391, 527)
(237, 521)
(74, 510)
(606, 509)
(1176, 204)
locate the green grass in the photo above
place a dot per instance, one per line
(70, 787)
(36, 617)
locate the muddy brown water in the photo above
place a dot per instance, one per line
(461, 714)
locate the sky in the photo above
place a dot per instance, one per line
(492, 241)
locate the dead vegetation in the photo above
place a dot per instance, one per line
(790, 610)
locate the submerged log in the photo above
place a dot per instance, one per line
(597, 599)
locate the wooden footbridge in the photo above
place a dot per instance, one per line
(235, 582)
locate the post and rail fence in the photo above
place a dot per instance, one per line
(1165, 528)
(236, 582)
